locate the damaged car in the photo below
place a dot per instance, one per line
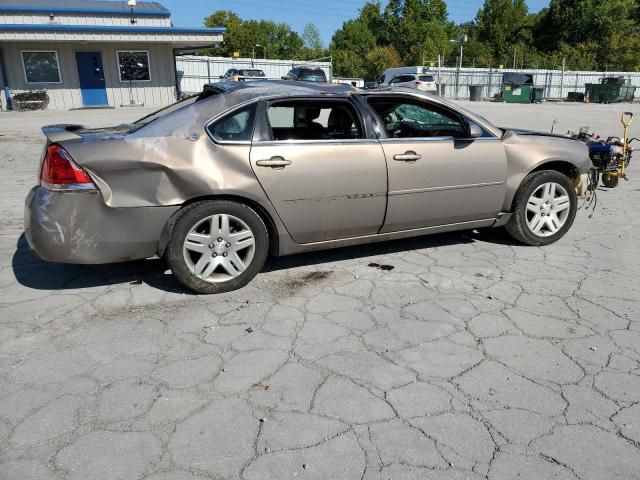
(216, 183)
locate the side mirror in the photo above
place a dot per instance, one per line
(283, 78)
(475, 130)
(221, 77)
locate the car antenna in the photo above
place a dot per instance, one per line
(553, 125)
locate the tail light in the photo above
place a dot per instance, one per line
(60, 172)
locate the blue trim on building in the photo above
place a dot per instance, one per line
(18, 27)
(159, 12)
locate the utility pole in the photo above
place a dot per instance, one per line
(515, 50)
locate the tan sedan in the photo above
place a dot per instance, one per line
(218, 182)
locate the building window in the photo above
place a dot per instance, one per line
(41, 66)
(134, 66)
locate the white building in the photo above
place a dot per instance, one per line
(93, 54)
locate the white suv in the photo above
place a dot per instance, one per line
(426, 83)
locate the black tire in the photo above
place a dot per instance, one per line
(610, 180)
(517, 226)
(191, 216)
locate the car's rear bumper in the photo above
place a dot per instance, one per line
(77, 227)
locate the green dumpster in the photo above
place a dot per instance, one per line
(610, 90)
(517, 88)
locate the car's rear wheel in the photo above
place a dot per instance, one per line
(217, 246)
(545, 207)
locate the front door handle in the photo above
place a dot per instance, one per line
(274, 162)
(408, 157)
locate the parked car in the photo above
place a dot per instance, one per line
(241, 74)
(306, 74)
(426, 83)
(392, 74)
(217, 182)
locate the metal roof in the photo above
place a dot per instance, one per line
(24, 27)
(152, 9)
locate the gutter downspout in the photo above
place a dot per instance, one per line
(5, 80)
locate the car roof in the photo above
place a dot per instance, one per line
(262, 88)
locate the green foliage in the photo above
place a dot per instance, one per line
(585, 34)
(243, 35)
(311, 39)
(381, 58)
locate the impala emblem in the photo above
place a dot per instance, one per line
(192, 136)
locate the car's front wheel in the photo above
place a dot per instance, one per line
(544, 208)
(217, 246)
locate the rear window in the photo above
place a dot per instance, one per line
(313, 76)
(427, 78)
(251, 73)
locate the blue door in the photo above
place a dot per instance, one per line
(91, 75)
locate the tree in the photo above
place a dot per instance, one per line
(419, 29)
(501, 25)
(574, 22)
(354, 36)
(279, 40)
(381, 58)
(311, 38)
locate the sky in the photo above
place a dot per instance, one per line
(327, 15)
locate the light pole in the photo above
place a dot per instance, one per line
(264, 50)
(462, 39)
(132, 5)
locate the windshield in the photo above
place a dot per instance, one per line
(427, 78)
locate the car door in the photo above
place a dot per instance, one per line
(324, 174)
(437, 174)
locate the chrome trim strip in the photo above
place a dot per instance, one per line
(358, 141)
(437, 139)
(439, 189)
(70, 187)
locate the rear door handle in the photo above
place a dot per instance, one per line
(274, 162)
(408, 157)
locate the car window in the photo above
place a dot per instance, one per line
(427, 78)
(407, 119)
(251, 73)
(235, 127)
(309, 120)
(313, 76)
(403, 79)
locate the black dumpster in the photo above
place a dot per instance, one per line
(475, 93)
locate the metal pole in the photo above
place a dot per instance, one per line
(208, 71)
(5, 80)
(457, 78)
(490, 82)
(515, 49)
(564, 60)
(439, 75)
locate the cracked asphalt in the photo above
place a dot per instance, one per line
(473, 357)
